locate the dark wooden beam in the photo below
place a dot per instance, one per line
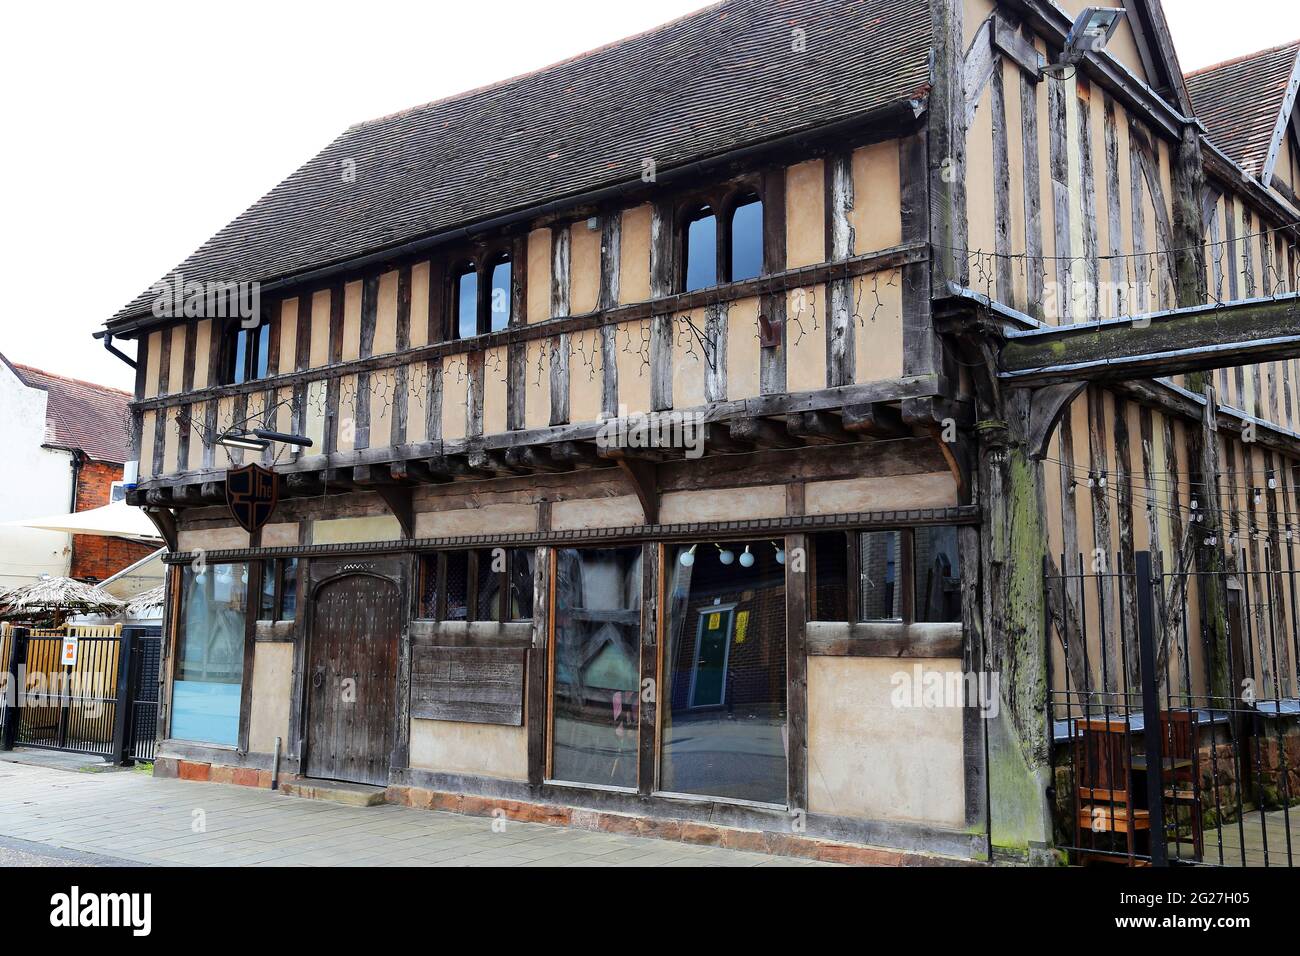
(877, 420)
(1151, 346)
(642, 476)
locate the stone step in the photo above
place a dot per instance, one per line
(335, 791)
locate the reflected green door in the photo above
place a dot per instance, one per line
(711, 658)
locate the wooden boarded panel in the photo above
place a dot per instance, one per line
(479, 685)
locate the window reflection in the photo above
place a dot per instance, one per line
(596, 673)
(701, 251)
(725, 705)
(937, 572)
(210, 654)
(747, 240)
(500, 303)
(466, 302)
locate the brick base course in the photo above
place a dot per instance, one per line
(705, 834)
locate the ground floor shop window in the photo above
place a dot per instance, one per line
(210, 654)
(596, 666)
(486, 584)
(724, 704)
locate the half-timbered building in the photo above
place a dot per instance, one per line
(680, 442)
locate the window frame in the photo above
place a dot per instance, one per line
(721, 203)
(481, 263)
(435, 563)
(277, 568)
(906, 579)
(253, 357)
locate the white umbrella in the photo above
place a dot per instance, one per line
(118, 520)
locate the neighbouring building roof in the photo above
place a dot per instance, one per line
(82, 415)
(717, 79)
(1239, 102)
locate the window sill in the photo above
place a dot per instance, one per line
(883, 639)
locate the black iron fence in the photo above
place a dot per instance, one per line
(1175, 712)
(91, 690)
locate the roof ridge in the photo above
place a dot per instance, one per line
(1233, 61)
(68, 378)
(499, 84)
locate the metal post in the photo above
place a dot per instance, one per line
(125, 700)
(1150, 710)
(12, 709)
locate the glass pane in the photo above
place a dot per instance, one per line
(240, 365)
(457, 586)
(880, 598)
(597, 665)
(724, 657)
(491, 572)
(429, 586)
(500, 296)
(830, 576)
(467, 305)
(521, 584)
(702, 253)
(937, 569)
(747, 241)
(263, 349)
(266, 605)
(289, 590)
(210, 654)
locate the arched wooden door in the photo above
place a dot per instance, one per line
(352, 678)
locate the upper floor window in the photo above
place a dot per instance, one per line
(464, 291)
(499, 302)
(247, 351)
(722, 243)
(745, 238)
(700, 250)
(481, 296)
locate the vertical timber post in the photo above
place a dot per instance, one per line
(1017, 729)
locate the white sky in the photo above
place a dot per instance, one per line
(135, 131)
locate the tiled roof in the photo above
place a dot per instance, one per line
(724, 77)
(1239, 102)
(82, 415)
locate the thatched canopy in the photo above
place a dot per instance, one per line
(146, 601)
(52, 600)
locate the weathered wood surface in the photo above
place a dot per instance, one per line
(483, 685)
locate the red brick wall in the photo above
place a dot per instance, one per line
(94, 556)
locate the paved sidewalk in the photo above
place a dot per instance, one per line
(130, 816)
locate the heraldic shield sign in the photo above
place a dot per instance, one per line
(252, 493)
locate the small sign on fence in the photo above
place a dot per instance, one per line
(70, 645)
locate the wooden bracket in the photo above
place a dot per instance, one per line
(164, 519)
(1046, 407)
(400, 503)
(642, 475)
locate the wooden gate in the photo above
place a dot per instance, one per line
(351, 677)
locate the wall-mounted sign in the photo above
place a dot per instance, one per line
(69, 655)
(252, 492)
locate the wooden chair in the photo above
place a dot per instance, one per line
(1180, 747)
(1103, 792)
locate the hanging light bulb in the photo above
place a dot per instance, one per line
(1272, 482)
(1259, 496)
(725, 555)
(746, 558)
(780, 553)
(1193, 504)
(688, 556)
